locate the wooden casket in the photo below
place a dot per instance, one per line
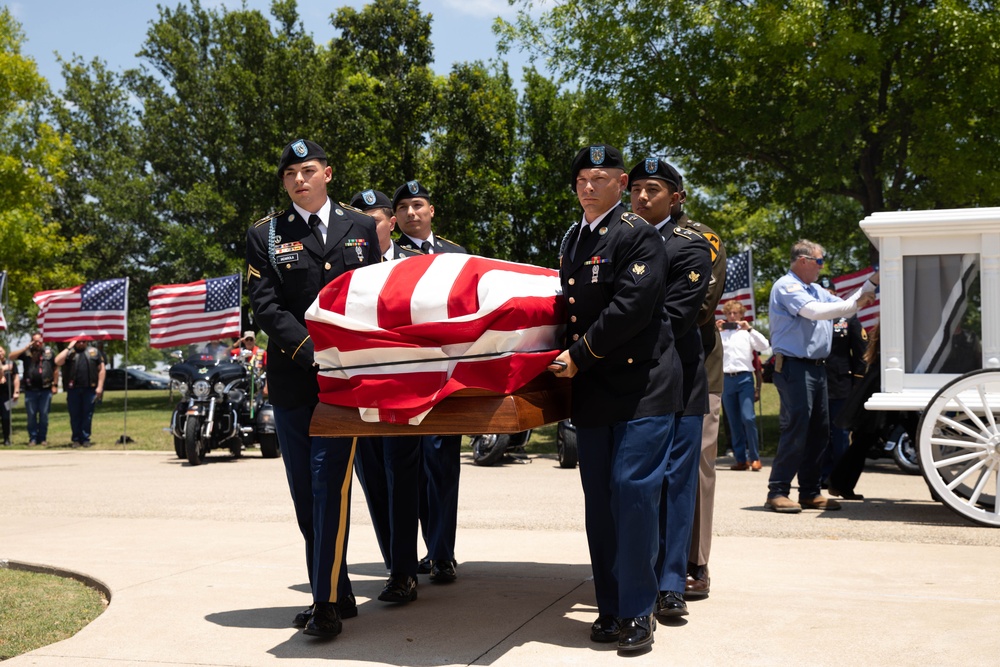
(544, 400)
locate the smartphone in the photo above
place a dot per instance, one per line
(730, 326)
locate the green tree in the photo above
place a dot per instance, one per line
(33, 156)
(473, 156)
(381, 64)
(799, 106)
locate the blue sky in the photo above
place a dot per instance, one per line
(114, 30)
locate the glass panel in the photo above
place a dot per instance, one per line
(942, 306)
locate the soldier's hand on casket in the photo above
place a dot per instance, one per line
(563, 366)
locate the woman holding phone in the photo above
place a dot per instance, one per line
(739, 392)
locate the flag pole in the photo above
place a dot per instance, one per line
(124, 440)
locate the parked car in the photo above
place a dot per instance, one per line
(114, 380)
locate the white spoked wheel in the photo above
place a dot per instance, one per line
(959, 440)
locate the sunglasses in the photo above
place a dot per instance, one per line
(819, 260)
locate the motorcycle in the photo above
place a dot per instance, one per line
(489, 449)
(222, 406)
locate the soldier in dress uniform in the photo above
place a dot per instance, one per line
(291, 256)
(388, 467)
(440, 454)
(698, 580)
(626, 388)
(654, 188)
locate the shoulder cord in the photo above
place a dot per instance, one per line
(271, 254)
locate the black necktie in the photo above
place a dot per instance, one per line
(314, 223)
(426, 247)
(584, 235)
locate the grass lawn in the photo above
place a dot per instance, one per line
(40, 609)
(149, 414)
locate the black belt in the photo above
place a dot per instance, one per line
(732, 375)
(811, 362)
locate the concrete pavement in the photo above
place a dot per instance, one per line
(205, 567)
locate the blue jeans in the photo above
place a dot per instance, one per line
(737, 401)
(37, 402)
(80, 403)
(805, 427)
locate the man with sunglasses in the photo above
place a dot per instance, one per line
(801, 338)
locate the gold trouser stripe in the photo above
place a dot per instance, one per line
(345, 508)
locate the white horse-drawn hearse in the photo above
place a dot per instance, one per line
(940, 344)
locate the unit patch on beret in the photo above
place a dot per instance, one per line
(597, 154)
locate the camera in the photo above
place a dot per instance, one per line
(730, 326)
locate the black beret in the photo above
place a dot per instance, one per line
(654, 167)
(409, 190)
(298, 151)
(601, 156)
(370, 199)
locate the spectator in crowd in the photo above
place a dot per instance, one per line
(741, 391)
(38, 385)
(10, 390)
(249, 342)
(83, 380)
(801, 337)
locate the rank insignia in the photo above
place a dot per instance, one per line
(638, 271)
(652, 164)
(597, 154)
(694, 277)
(413, 187)
(299, 148)
(368, 196)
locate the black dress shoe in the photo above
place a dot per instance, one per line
(425, 565)
(636, 634)
(348, 607)
(325, 621)
(670, 604)
(443, 572)
(399, 589)
(605, 629)
(302, 618)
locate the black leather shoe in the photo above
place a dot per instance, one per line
(325, 621)
(302, 618)
(399, 589)
(636, 634)
(443, 572)
(425, 565)
(605, 629)
(348, 607)
(670, 604)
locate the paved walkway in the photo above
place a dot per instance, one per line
(205, 567)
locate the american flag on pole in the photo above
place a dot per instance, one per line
(194, 312)
(95, 310)
(847, 284)
(739, 285)
(393, 339)
(3, 284)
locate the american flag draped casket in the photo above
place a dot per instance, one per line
(443, 343)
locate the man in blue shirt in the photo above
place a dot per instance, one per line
(801, 338)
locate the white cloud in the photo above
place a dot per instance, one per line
(484, 8)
